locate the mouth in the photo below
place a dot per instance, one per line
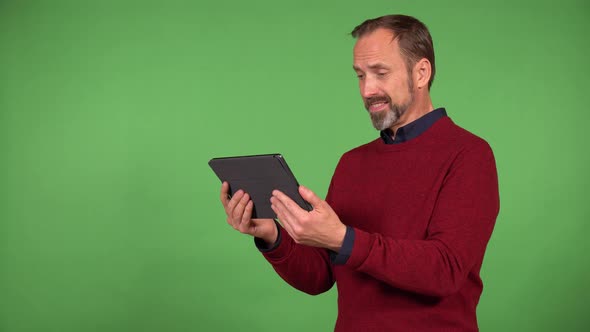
(378, 106)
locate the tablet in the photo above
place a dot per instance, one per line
(258, 176)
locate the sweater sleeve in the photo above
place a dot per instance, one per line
(308, 269)
(458, 233)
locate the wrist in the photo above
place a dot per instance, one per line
(271, 238)
(338, 238)
(270, 241)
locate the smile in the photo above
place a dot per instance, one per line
(379, 106)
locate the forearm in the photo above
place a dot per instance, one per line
(430, 267)
(307, 269)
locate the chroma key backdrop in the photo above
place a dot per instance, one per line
(110, 110)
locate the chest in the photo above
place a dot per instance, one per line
(394, 195)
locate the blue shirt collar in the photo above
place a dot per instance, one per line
(414, 128)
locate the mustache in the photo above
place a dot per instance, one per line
(377, 99)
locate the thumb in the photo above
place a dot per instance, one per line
(309, 196)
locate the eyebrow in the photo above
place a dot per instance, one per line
(374, 66)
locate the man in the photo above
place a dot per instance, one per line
(407, 216)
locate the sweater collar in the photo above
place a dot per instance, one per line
(414, 128)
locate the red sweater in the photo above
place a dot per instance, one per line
(423, 212)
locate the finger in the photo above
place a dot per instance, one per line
(238, 211)
(237, 196)
(285, 222)
(309, 196)
(246, 217)
(282, 212)
(288, 204)
(224, 194)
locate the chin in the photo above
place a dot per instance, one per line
(384, 119)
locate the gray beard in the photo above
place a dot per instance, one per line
(387, 118)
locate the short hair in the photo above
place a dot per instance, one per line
(412, 35)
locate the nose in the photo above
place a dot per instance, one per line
(368, 87)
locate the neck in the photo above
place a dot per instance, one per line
(421, 106)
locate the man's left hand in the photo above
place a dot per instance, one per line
(319, 227)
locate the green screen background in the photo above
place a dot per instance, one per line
(109, 112)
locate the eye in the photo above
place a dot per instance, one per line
(381, 74)
(360, 76)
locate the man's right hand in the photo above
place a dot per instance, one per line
(239, 215)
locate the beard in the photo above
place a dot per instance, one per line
(390, 116)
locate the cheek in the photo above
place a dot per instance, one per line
(397, 89)
(392, 89)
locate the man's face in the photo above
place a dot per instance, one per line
(385, 85)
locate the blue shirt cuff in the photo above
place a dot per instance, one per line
(261, 244)
(341, 257)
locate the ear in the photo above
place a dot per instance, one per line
(422, 73)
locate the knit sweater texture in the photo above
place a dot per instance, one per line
(423, 212)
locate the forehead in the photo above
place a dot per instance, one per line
(377, 45)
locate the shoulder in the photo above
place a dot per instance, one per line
(468, 150)
(463, 139)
